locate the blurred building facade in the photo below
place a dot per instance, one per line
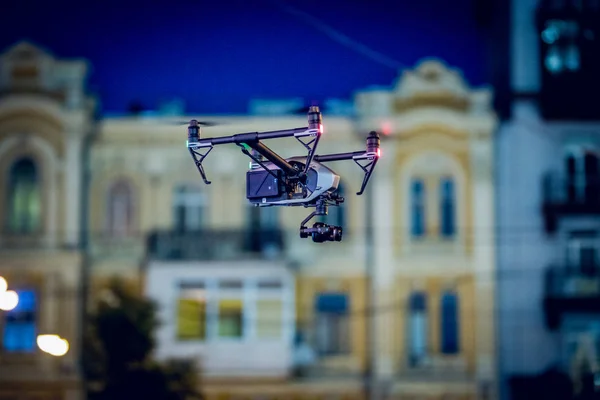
(45, 119)
(434, 219)
(237, 287)
(549, 280)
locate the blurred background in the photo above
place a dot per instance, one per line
(469, 268)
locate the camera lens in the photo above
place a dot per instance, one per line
(321, 232)
(337, 233)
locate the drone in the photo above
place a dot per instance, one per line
(296, 181)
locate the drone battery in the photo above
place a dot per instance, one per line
(260, 183)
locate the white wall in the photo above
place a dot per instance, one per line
(526, 151)
(248, 356)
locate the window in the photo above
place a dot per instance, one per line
(24, 212)
(269, 310)
(417, 329)
(231, 318)
(418, 207)
(450, 323)
(269, 318)
(191, 312)
(120, 209)
(333, 327)
(583, 252)
(336, 215)
(231, 309)
(448, 207)
(20, 330)
(263, 230)
(189, 205)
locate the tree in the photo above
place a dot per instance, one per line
(118, 353)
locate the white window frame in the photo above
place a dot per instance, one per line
(249, 294)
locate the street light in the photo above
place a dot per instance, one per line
(3, 285)
(9, 299)
(53, 345)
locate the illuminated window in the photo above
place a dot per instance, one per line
(269, 318)
(120, 209)
(231, 309)
(24, 212)
(450, 323)
(231, 318)
(189, 203)
(332, 323)
(448, 207)
(418, 208)
(191, 312)
(417, 328)
(269, 310)
(20, 328)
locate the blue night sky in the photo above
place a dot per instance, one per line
(219, 54)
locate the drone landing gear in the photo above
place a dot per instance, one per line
(198, 158)
(322, 232)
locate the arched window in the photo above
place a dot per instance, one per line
(418, 208)
(120, 209)
(336, 215)
(189, 203)
(24, 197)
(448, 207)
(450, 323)
(417, 328)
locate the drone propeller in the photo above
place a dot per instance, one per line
(187, 122)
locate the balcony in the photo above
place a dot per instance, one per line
(108, 248)
(216, 245)
(564, 196)
(571, 289)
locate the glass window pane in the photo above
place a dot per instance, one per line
(269, 318)
(417, 328)
(24, 197)
(20, 324)
(418, 208)
(231, 319)
(191, 319)
(188, 207)
(450, 324)
(448, 207)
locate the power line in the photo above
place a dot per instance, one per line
(340, 37)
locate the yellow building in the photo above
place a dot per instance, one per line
(258, 292)
(45, 118)
(434, 269)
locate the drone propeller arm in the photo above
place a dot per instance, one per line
(275, 158)
(239, 138)
(357, 156)
(338, 156)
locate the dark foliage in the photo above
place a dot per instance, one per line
(119, 347)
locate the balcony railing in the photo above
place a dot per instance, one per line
(573, 281)
(106, 247)
(571, 289)
(565, 195)
(215, 244)
(577, 191)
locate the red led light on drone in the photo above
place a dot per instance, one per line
(379, 152)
